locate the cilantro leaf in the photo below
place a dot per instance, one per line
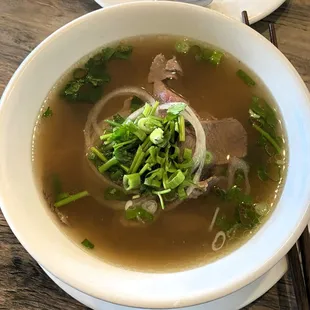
(87, 244)
(47, 113)
(176, 109)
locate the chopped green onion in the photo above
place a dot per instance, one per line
(245, 78)
(126, 169)
(138, 213)
(163, 192)
(148, 124)
(187, 154)
(131, 181)
(181, 122)
(159, 194)
(183, 46)
(152, 182)
(70, 198)
(143, 124)
(111, 162)
(136, 131)
(144, 169)
(157, 136)
(98, 154)
(137, 161)
(147, 110)
(175, 180)
(112, 123)
(216, 57)
(154, 108)
(87, 244)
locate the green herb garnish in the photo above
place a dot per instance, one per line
(87, 82)
(264, 121)
(87, 244)
(245, 78)
(137, 213)
(47, 113)
(216, 58)
(65, 198)
(183, 46)
(245, 214)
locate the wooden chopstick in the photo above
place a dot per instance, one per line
(304, 245)
(245, 18)
(300, 270)
(298, 279)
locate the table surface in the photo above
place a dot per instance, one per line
(24, 24)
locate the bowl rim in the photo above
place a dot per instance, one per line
(201, 296)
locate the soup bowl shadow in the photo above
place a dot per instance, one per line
(23, 206)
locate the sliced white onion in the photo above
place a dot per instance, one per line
(217, 210)
(92, 119)
(128, 204)
(150, 206)
(219, 235)
(238, 164)
(135, 114)
(93, 128)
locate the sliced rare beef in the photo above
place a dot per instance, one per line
(224, 138)
(162, 69)
(165, 95)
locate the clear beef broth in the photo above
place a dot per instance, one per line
(179, 239)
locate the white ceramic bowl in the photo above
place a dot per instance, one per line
(24, 208)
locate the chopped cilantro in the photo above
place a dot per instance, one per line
(176, 109)
(87, 82)
(87, 244)
(47, 113)
(245, 78)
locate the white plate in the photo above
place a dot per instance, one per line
(257, 9)
(237, 300)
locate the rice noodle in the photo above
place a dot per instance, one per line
(238, 164)
(217, 210)
(222, 235)
(199, 155)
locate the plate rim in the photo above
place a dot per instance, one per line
(271, 6)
